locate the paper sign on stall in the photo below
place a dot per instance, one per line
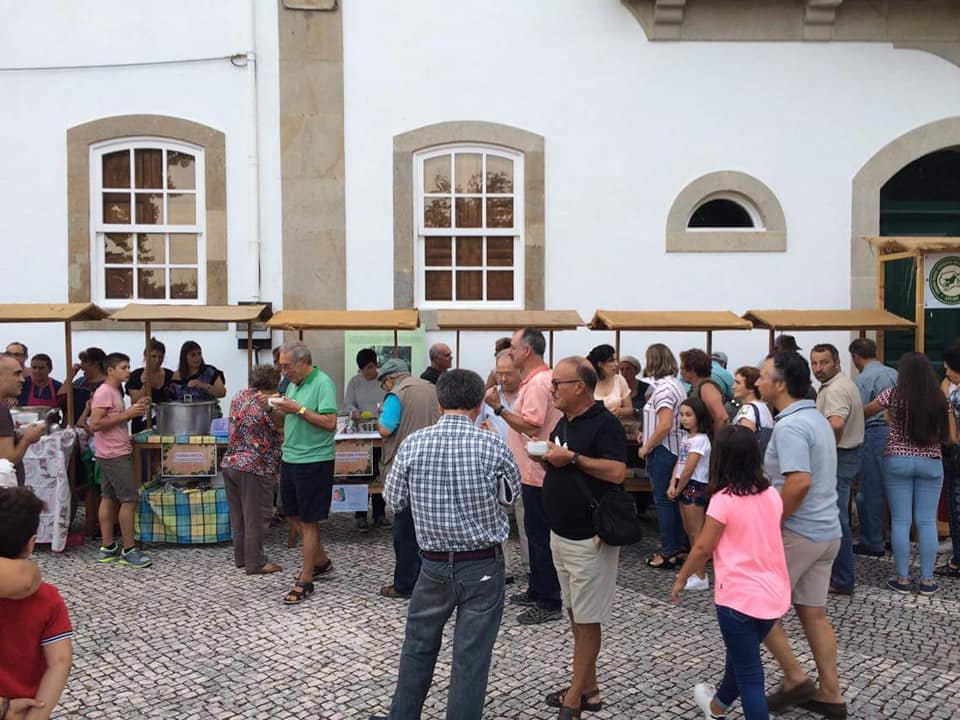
(349, 498)
(942, 271)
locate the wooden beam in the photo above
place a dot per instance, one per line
(617, 341)
(458, 348)
(881, 301)
(920, 318)
(709, 343)
(68, 349)
(896, 256)
(770, 344)
(551, 348)
(146, 385)
(249, 347)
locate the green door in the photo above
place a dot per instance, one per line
(922, 199)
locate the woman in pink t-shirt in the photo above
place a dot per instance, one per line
(752, 588)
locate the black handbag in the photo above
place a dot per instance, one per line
(951, 460)
(615, 516)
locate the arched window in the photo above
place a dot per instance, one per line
(726, 211)
(469, 220)
(147, 222)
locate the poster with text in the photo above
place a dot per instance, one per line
(942, 273)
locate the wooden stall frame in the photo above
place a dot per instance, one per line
(503, 320)
(891, 248)
(708, 322)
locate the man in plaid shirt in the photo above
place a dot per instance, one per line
(456, 479)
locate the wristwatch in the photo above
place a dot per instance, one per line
(575, 458)
(302, 411)
(498, 411)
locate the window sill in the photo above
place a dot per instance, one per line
(709, 241)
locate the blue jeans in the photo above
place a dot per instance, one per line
(743, 673)
(544, 587)
(474, 588)
(870, 499)
(660, 464)
(913, 489)
(407, 552)
(848, 465)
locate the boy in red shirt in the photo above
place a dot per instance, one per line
(36, 648)
(114, 452)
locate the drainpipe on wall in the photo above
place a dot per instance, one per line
(253, 159)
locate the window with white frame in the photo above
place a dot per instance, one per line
(469, 206)
(148, 212)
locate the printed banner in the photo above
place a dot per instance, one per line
(349, 498)
(942, 272)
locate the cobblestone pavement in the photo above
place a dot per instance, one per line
(193, 638)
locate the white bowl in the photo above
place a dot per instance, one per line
(274, 401)
(537, 448)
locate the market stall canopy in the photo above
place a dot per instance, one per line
(192, 313)
(913, 245)
(865, 319)
(44, 312)
(508, 319)
(680, 320)
(345, 320)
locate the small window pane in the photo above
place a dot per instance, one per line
(469, 252)
(116, 169)
(118, 283)
(149, 209)
(438, 285)
(116, 208)
(721, 213)
(500, 212)
(438, 252)
(469, 212)
(151, 284)
(469, 173)
(181, 209)
(183, 249)
(500, 251)
(118, 249)
(149, 163)
(436, 174)
(183, 284)
(151, 249)
(436, 213)
(469, 285)
(181, 171)
(500, 285)
(499, 174)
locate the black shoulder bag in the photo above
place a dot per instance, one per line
(615, 516)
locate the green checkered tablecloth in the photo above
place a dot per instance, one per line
(186, 517)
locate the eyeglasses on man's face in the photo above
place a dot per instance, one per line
(555, 384)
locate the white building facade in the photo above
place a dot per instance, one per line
(368, 154)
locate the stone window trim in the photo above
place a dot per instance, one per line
(80, 138)
(407, 144)
(771, 236)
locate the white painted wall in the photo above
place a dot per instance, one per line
(189, 41)
(627, 125)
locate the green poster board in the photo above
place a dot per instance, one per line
(412, 348)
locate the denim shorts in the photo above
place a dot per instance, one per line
(694, 494)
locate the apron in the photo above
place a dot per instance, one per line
(34, 401)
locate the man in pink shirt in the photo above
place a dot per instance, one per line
(532, 418)
(114, 452)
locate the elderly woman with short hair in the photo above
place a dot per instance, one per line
(251, 467)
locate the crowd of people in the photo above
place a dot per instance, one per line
(752, 469)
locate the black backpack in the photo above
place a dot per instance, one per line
(763, 434)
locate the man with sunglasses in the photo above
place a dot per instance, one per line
(532, 418)
(410, 405)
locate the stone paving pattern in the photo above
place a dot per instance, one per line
(193, 638)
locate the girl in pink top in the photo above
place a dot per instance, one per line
(752, 588)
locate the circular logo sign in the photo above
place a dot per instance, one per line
(944, 280)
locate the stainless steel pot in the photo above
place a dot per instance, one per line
(185, 418)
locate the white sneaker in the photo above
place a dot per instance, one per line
(702, 695)
(696, 583)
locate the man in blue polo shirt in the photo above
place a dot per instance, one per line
(801, 460)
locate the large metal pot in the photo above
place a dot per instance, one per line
(185, 418)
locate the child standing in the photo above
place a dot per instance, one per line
(36, 647)
(752, 588)
(690, 476)
(114, 453)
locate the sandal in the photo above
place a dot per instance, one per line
(569, 713)
(319, 570)
(665, 563)
(300, 592)
(267, 569)
(948, 570)
(555, 699)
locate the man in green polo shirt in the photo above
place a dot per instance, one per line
(309, 448)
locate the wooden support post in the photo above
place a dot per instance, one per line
(920, 314)
(772, 337)
(881, 299)
(396, 343)
(68, 349)
(147, 387)
(249, 347)
(617, 343)
(300, 334)
(551, 348)
(458, 348)
(710, 343)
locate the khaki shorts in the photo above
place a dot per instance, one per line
(118, 481)
(809, 565)
(588, 577)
